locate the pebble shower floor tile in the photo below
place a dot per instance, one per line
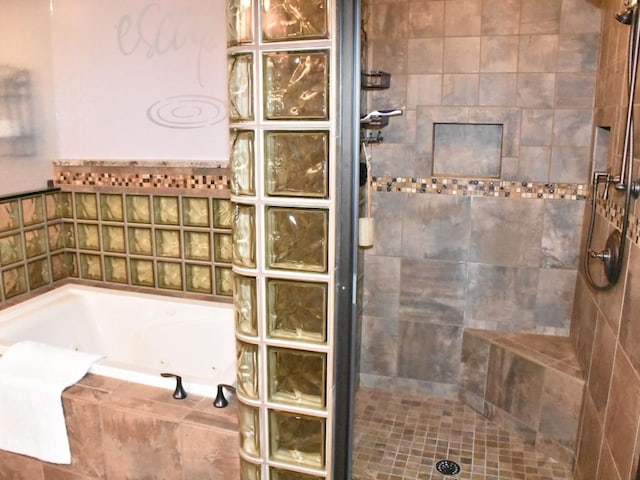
(403, 437)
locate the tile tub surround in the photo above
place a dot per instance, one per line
(531, 384)
(399, 436)
(122, 430)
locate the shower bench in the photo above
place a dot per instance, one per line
(528, 383)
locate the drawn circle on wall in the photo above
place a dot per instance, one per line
(187, 111)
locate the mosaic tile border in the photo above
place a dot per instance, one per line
(206, 176)
(614, 213)
(481, 187)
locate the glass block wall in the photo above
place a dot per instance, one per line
(281, 81)
(172, 243)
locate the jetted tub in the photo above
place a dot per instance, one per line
(141, 335)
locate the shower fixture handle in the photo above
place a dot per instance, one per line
(221, 401)
(179, 393)
(602, 177)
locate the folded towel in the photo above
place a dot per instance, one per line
(32, 378)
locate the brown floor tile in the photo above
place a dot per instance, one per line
(403, 436)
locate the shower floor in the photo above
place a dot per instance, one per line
(402, 437)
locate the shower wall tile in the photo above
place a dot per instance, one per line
(381, 295)
(534, 163)
(536, 90)
(424, 90)
(425, 55)
(497, 89)
(388, 20)
(603, 351)
(575, 90)
(554, 298)
(461, 54)
(498, 237)
(513, 309)
(568, 164)
(462, 18)
(460, 89)
(389, 55)
(572, 128)
(583, 324)
(578, 52)
(436, 227)
(561, 229)
(500, 17)
(426, 19)
(499, 54)
(580, 17)
(429, 351)
(379, 354)
(540, 16)
(432, 292)
(474, 364)
(538, 53)
(537, 127)
(387, 224)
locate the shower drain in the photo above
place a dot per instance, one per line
(447, 467)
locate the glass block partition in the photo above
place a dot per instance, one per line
(173, 243)
(281, 75)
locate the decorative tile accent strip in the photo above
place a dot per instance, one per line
(180, 175)
(614, 213)
(480, 187)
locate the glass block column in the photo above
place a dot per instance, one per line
(281, 56)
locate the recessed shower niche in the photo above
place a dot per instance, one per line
(467, 150)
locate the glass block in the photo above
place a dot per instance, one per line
(11, 249)
(70, 236)
(297, 439)
(278, 474)
(242, 162)
(142, 272)
(115, 269)
(168, 243)
(90, 266)
(222, 213)
(138, 209)
(35, 242)
(56, 235)
(249, 426)
(113, 239)
(244, 236)
(239, 22)
(111, 207)
(247, 372)
(86, 206)
(224, 281)
(14, 282)
(88, 236)
(297, 163)
(296, 85)
(53, 206)
(166, 210)
(223, 247)
(170, 275)
(33, 210)
(249, 471)
(198, 278)
(297, 377)
(9, 216)
(38, 273)
(196, 211)
(71, 264)
(240, 69)
(140, 242)
(297, 20)
(197, 245)
(59, 266)
(297, 310)
(245, 305)
(297, 239)
(66, 206)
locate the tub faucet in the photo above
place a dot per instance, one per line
(221, 401)
(179, 393)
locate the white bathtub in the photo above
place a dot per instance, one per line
(141, 335)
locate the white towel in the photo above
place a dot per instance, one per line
(32, 378)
